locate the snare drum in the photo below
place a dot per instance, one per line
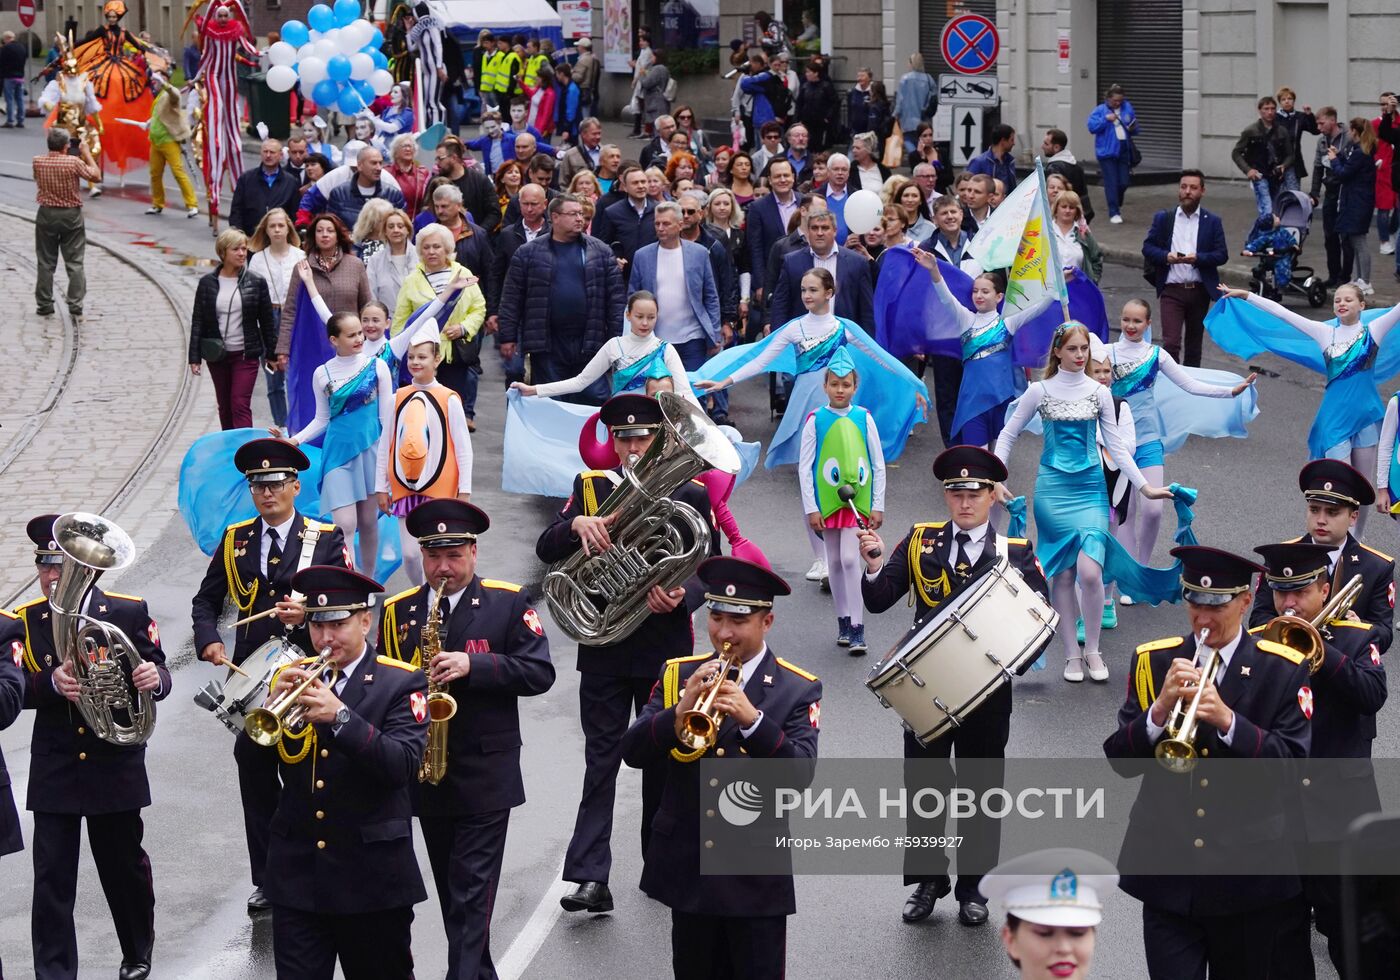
(951, 662)
(233, 698)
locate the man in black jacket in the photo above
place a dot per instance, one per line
(262, 188)
(478, 192)
(531, 222)
(1326, 187)
(11, 703)
(1264, 153)
(14, 59)
(628, 223)
(1059, 160)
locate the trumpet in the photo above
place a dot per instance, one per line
(1302, 635)
(284, 714)
(441, 705)
(700, 725)
(1177, 749)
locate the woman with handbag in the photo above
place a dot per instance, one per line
(1113, 124)
(232, 329)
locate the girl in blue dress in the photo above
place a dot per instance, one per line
(1071, 498)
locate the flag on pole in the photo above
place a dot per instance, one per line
(1019, 237)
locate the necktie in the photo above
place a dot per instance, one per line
(274, 552)
(446, 607)
(961, 563)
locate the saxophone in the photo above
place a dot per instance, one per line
(441, 705)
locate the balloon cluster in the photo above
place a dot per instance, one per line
(337, 59)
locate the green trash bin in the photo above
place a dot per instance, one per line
(267, 106)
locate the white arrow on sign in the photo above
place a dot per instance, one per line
(967, 133)
(969, 90)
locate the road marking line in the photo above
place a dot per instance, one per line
(536, 930)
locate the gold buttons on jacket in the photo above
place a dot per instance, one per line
(1307, 782)
(320, 784)
(320, 814)
(82, 756)
(82, 730)
(325, 753)
(1200, 843)
(1200, 813)
(321, 845)
(719, 752)
(1205, 783)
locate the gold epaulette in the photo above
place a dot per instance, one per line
(935, 525)
(1163, 644)
(691, 657)
(7, 614)
(1279, 650)
(594, 474)
(495, 583)
(1294, 540)
(671, 677)
(391, 662)
(31, 602)
(1256, 629)
(123, 595)
(402, 595)
(240, 524)
(1355, 624)
(796, 669)
(1018, 540)
(698, 483)
(324, 528)
(1378, 554)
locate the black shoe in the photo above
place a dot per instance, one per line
(972, 913)
(591, 896)
(919, 905)
(257, 902)
(134, 971)
(720, 419)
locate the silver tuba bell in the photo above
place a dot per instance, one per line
(94, 650)
(601, 599)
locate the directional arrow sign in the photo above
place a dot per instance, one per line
(967, 133)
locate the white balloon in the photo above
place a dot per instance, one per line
(282, 53)
(362, 31)
(314, 34)
(863, 212)
(381, 81)
(281, 78)
(325, 49)
(313, 70)
(349, 44)
(307, 50)
(361, 66)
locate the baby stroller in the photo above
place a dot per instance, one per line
(1277, 243)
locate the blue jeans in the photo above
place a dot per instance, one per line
(694, 353)
(1264, 192)
(277, 396)
(14, 101)
(1116, 178)
(1290, 181)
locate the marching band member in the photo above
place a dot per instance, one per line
(1336, 494)
(616, 679)
(254, 568)
(1257, 705)
(1054, 904)
(723, 926)
(11, 703)
(1349, 688)
(343, 876)
(934, 559)
(493, 652)
(76, 776)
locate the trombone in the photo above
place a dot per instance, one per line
(1177, 749)
(284, 714)
(700, 725)
(1303, 635)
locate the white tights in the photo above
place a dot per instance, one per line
(362, 516)
(412, 554)
(1067, 602)
(844, 567)
(1138, 534)
(1365, 462)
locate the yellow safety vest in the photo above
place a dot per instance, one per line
(532, 70)
(491, 79)
(510, 69)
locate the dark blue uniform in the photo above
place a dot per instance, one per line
(1243, 926)
(922, 565)
(11, 703)
(74, 775)
(343, 876)
(464, 818)
(1376, 604)
(617, 680)
(235, 573)
(722, 926)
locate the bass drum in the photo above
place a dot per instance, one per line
(948, 664)
(231, 700)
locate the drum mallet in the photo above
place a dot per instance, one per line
(847, 493)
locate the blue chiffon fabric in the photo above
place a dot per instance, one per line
(1166, 415)
(345, 473)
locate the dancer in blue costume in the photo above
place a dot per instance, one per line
(1388, 461)
(804, 347)
(1071, 499)
(1164, 415)
(634, 358)
(1350, 349)
(354, 404)
(988, 382)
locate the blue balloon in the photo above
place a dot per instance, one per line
(326, 92)
(377, 57)
(350, 101)
(365, 89)
(321, 18)
(346, 12)
(294, 32)
(338, 68)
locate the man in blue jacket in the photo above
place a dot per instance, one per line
(854, 293)
(1184, 250)
(768, 217)
(997, 162)
(1113, 123)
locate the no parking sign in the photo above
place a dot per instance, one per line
(970, 44)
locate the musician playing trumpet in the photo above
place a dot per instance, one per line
(76, 776)
(1349, 688)
(723, 926)
(253, 568)
(341, 875)
(493, 652)
(1205, 915)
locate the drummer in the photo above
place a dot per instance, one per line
(1054, 905)
(934, 560)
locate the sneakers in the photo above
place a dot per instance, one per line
(192, 213)
(1110, 616)
(1117, 219)
(858, 646)
(1074, 669)
(1387, 248)
(95, 190)
(1098, 670)
(1366, 288)
(843, 631)
(817, 572)
(154, 210)
(1126, 600)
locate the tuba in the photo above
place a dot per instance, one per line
(93, 650)
(442, 707)
(1302, 635)
(656, 541)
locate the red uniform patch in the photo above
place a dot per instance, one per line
(153, 633)
(1390, 594)
(814, 714)
(17, 652)
(532, 620)
(419, 703)
(1305, 700)
(1375, 655)
(345, 553)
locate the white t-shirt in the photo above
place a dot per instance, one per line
(675, 322)
(228, 305)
